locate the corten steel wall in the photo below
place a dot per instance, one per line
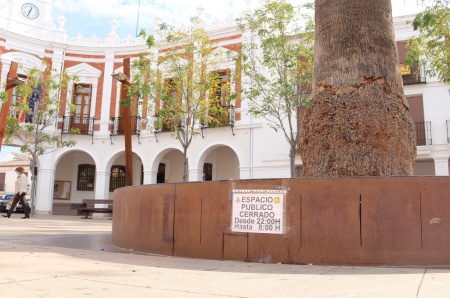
(379, 220)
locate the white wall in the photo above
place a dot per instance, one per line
(175, 172)
(10, 179)
(67, 170)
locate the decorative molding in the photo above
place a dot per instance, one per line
(84, 70)
(26, 61)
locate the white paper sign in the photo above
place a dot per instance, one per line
(258, 211)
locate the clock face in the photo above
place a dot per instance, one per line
(30, 11)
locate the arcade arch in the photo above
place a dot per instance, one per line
(168, 166)
(219, 162)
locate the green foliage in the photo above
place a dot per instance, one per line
(3, 96)
(432, 44)
(277, 65)
(181, 81)
(33, 134)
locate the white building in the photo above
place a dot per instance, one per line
(247, 150)
(8, 164)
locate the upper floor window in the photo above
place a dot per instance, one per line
(221, 87)
(86, 177)
(411, 74)
(82, 100)
(219, 102)
(22, 107)
(170, 98)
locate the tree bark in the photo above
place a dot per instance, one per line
(185, 165)
(292, 154)
(358, 123)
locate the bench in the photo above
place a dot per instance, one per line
(87, 207)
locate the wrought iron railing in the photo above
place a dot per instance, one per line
(15, 111)
(78, 125)
(117, 125)
(423, 133)
(227, 118)
(416, 76)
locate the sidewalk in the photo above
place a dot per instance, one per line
(62, 256)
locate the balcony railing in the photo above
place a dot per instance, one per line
(14, 111)
(78, 125)
(117, 125)
(416, 75)
(227, 118)
(423, 133)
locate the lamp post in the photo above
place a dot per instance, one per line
(124, 79)
(13, 80)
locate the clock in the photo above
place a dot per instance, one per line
(30, 11)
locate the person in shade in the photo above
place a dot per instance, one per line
(20, 192)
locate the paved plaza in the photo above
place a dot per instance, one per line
(62, 256)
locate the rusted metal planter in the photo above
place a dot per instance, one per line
(351, 221)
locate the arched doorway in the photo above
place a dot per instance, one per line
(170, 167)
(117, 172)
(220, 162)
(74, 181)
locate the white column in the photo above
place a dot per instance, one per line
(150, 177)
(195, 174)
(441, 155)
(106, 94)
(57, 65)
(244, 173)
(44, 191)
(102, 185)
(441, 166)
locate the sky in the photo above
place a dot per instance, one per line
(90, 17)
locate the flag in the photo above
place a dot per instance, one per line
(32, 100)
(24, 100)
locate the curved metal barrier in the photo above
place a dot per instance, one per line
(368, 220)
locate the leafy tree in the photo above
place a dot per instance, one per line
(34, 116)
(432, 44)
(182, 83)
(277, 66)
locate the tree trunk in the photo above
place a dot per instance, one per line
(292, 154)
(185, 165)
(33, 187)
(358, 123)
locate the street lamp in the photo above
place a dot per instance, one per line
(12, 81)
(124, 79)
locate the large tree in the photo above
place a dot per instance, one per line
(277, 66)
(431, 46)
(34, 114)
(184, 84)
(358, 123)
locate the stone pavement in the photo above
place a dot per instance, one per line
(62, 256)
